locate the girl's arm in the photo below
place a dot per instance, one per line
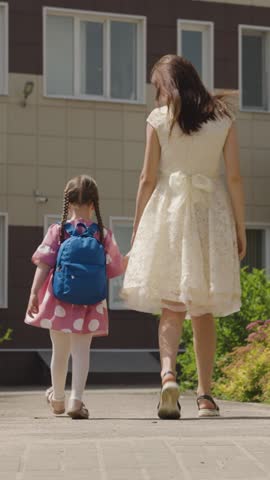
(42, 271)
(148, 178)
(235, 187)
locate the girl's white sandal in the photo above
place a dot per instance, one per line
(207, 412)
(169, 407)
(80, 413)
(57, 406)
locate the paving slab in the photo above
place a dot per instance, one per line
(124, 439)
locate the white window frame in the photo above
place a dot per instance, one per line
(4, 91)
(118, 303)
(259, 29)
(207, 28)
(48, 220)
(266, 254)
(103, 17)
(4, 303)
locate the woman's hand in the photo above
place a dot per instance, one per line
(33, 305)
(241, 243)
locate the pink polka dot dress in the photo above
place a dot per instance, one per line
(65, 317)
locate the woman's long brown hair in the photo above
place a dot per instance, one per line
(81, 190)
(190, 103)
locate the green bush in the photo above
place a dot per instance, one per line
(6, 337)
(232, 330)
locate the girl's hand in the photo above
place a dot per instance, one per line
(242, 243)
(33, 306)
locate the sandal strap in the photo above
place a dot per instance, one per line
(209, 398)
(169, 372)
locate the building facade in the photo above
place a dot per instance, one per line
(74, 96)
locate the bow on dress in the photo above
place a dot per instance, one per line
(194, 187)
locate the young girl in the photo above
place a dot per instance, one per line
(72, 327)
(188, 233)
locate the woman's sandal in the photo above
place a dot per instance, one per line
(169, 407)
(207, 412)
(80, 413)
(57, 406)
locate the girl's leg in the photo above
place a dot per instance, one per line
(204, 335)
(59, 363)
(80, 347)
(170, 329)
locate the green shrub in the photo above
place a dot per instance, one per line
(232, 330)
(6, 337)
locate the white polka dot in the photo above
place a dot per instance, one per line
(59, 311)
(93, 325)
(78, 324)
(99, 308)
(104, 303)
(46, 297)
(46, 323)
(108, 259)
(113, 240)
(66, 330)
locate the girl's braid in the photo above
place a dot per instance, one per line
(99, 219)
(64, 215)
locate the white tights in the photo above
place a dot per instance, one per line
(64, 344)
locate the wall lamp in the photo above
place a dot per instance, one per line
(27, 90)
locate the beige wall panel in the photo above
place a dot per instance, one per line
(16, 86)
(51, 181)
(260, 214)
(3, 117)
(48, 101)
(22, 149)
(150, 97)
(22, 119)
(52, 207)
(249, 190)
(109, 124)
(80, 123)
(261, 164)
(131, 182)
(21, 180)
(52, 151)
(22, 210)
(3, 148)
(133, 155)
(109, 183)
(109, 154)
(245, 132)
(261, 134)
(52, 121)
(74, 172)
(3, 203)
(3, 179)
(246, 162)
(134, 126)
(129, 208)
(261, 191)
(81, 152)
(110, 208)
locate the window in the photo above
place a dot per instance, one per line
(3, 48)
(49, 220)
(122, 228)
(254, 68)
(90, 55)
(195, 41)
(258, 247)
(3, 260)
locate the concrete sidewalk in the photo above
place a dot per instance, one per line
(125, 441)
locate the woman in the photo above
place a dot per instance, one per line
(189, 234)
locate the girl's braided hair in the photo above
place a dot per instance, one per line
(81, 190)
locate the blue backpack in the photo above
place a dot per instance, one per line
(80, 273)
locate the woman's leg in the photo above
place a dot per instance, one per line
(204, 335)
(170, 329)
(80, 351)
(59, 363)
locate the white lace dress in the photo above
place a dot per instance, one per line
(185, 248)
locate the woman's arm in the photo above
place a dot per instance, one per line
(235, 187)
(42, 271)
(148, 178)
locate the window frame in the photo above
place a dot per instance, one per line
(259, 29)
(104, 17)
(5, 6)
(49, 219)
(207, 78)
(266, 254)
(117, 304)
(5, 266)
